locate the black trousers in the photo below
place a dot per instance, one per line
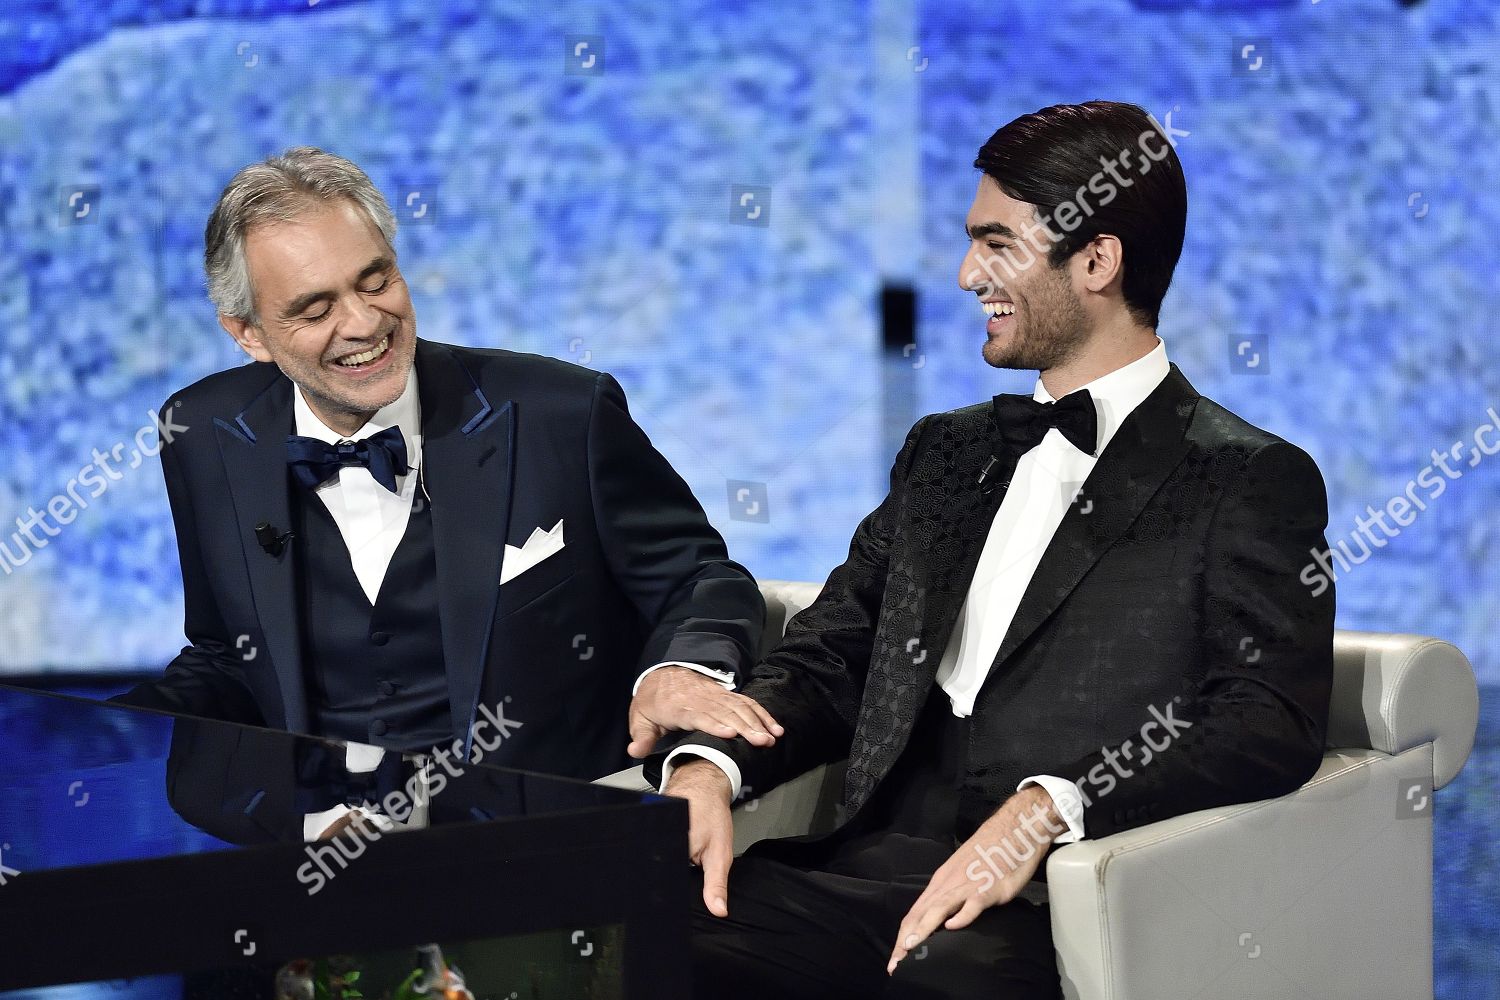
(827, 932)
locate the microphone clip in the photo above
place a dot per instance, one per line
(986, 481)
(270, 539)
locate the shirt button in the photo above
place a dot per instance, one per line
(380, 638)
(377, 728)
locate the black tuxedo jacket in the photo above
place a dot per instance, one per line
(511, 442)
(1170, 589)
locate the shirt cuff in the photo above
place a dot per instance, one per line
(313, 824)
(723, 677)
(718, 758)
(1068, 800)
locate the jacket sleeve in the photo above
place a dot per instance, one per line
(1255, 726)
(700, 607)
(207, 677)
(812, 683)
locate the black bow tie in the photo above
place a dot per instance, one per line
(1023, 421)
(315, 462)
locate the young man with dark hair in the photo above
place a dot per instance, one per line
(1076, 612)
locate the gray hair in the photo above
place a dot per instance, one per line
(279, 189)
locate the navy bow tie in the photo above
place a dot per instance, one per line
(1023, 421)
(315, 462)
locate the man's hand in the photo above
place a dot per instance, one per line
(676, 698)
(987, 870)
(710, 828)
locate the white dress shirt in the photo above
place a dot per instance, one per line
(1043, 487)
(371, 519)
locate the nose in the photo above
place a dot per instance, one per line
(363, 320)
(974, 276)
(968, 270)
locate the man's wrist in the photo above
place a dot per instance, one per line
(1037, 814)
(697, 774)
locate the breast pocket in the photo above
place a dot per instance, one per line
(537, 582)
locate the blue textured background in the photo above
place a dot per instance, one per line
(1335, 210)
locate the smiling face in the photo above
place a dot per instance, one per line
(1035, 316)
(333, 311)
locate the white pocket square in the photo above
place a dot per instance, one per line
(539, 546)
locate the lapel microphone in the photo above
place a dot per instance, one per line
(270, 539)
(984, 482)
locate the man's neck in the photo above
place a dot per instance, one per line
(1106, 351)
(339, 421)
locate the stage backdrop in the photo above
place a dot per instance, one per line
(752, 215)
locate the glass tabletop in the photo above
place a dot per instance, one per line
(87, 782)
(144, 854)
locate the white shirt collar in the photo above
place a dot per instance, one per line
(405, 412)
(1119, 392)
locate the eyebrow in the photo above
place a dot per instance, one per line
(299, 305)
(979, 232)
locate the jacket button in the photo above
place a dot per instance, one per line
(377, 728)
(380, 638)
(387, 688)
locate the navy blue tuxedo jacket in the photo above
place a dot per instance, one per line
(511, 442)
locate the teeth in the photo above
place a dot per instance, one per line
(370, 355)
(999, 308)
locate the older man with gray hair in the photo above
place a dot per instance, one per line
(396, 542)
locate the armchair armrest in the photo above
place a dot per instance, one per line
(801, 806)
(1256, 900)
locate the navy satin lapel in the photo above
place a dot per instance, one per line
(252, 446)
(1138, 459)
(468, 451)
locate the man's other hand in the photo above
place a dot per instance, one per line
(678, 699)
(988, 869)
(710, 828)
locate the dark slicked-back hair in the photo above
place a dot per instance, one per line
(1052, 157)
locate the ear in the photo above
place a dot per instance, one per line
(1101, 263)
(247, 335)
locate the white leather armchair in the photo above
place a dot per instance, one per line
(1326, 892)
